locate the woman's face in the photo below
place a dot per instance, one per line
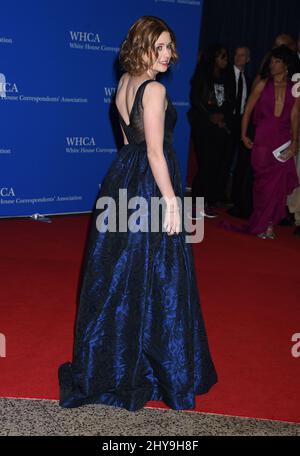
(163, 47)
(277, 66)
(241, 57)
(222, 60)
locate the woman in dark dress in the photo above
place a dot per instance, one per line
(210, 117)
(140, 333)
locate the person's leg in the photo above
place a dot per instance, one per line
(246, 201)
(294, 198)
(223, 154)
(198, 189)
(297, 211)
(236, 178)
(297, 223)
(242, 184)
(233, 158)
(204, 181)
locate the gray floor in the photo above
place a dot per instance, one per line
(44, 417)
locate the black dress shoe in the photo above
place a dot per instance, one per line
(209, 211)
(235, 212)
(297, 231)
(287, 221)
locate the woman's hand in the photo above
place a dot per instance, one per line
(247, 142)
(172, 221)
(217, 118)
(290, 152)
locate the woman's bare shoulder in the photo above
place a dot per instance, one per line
(261, 85)
(257, 87)
(154, 90)
(123, 80)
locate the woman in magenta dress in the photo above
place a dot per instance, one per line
(276, 111)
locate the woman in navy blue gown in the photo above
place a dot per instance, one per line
(140, 333)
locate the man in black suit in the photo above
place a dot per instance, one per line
(240, 160)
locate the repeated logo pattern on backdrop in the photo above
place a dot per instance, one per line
(58, 76)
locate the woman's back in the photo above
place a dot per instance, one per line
(130, 102)
(126, 92)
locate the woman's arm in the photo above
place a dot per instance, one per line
(196, 94)
(252, 100)
(264, 70)
(124, 137)
(154, 120)
(256, 81)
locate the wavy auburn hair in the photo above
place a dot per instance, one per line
(140, 40)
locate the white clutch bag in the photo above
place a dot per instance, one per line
(280, 150)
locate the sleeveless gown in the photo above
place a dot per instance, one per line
(273, 180)
(140, 334)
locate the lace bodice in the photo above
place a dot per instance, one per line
(134, 131)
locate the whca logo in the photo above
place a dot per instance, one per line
(80, 141)
(86, 37)
(7, 191)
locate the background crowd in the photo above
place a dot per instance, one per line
(236, 123)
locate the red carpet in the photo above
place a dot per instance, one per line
(250, 298)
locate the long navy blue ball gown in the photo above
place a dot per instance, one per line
(140, 334)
